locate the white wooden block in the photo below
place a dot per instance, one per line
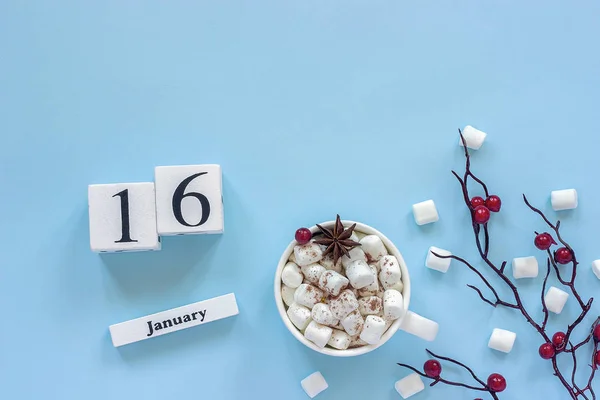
(502, 340)
(410, 385)
(173, 320)
(314, 384)
(596, 268)
(563, 199)
(122, 217)
(189, 199)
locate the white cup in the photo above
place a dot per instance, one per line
(397, 324)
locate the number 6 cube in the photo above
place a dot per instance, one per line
(189, 199)
(122, 217)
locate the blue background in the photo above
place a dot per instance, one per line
(312, 108)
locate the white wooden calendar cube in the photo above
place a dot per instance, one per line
(122, 217)
(189, 199)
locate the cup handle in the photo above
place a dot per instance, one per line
(419, 326)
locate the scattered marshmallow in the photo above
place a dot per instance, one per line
(308, 295)
(437, 263)
(419, 326)
(308, 253)
(410, 385)
(318, 334)
(339, 340)
(473, 137)
(389, 271)
(313, 272)
(563, 199)
(393, 304)
(344, 304)
(314, 384)
(291, 275)
(333, 283)
(359, 274)
(502, 340)
(596, 268)
(373, 329)
(525, 267)
(327, 262)
(373, 247)
(373, 288)
(425, 212)
(353, 323)
(555, 299)
(355, 253)
(287, 294)
(323, 315)
(371, 305)
(299, 315)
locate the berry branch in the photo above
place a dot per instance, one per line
(480, 210)
(432, 369)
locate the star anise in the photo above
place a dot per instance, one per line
(337, 241)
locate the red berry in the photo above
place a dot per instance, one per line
(477, 201)
(303, 235)
(563, 256)
(496, 383)
(597, 332)
(597, 358)
(547, 351)
(481, 214)
(558, 340)
(544, 241)
(432, 368)
(493, 203)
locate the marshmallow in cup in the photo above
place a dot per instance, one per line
(396, 277)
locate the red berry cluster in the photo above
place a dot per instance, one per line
(482, 208)
(495, 382)
(544, 241)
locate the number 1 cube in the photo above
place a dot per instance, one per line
(123, 217)
(189, 199)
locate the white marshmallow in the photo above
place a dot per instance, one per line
(473, 137)
(555, 299)
(308, 295)
(502, 340)
(389, 271)
(359, 274)
(373, 288)
(344, 304)
(425, 212)
(323, 315)
(339, 340)
(371, 305)
(563, 199)
(354, 237)
(419, 326)
(399, 286)
(291, 275)
(313, 272)
(318, 334)
(373, 247)
(293, 258)
(308, 253)
(333, 283)
(299, 315)
(437, 263)
(356, 253)
(525, 267)
(410, 385)
(353, 323)
(373, 329)
(393, 304)
(596, 268)
(314, 384)
(356, 341)
(287, 294)
(327, 262)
